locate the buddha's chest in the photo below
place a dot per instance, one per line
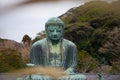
(55, 55)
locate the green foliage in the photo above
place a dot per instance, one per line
(1, 39)
(35, 39)
(115, 67)
(39, 36)
(26, 39)
(86, 63)
(88, 26)
(111, 48)
(4, 67)
(10, 60)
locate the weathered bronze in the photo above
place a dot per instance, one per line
(56, 51)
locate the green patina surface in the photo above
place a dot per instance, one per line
(55, 51)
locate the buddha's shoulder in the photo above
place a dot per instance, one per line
(68, 42)
(39, 42)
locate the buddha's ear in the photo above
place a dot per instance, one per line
(46, 32)
(46, 28)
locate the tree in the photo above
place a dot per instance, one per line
(39, 36)
(26, 40)
(112, 45)
(86, 62)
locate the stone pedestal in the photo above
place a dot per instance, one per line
(66, 77)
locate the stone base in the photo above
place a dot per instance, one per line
(67, 77)
(89, 76)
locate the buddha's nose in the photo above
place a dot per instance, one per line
(55, 34)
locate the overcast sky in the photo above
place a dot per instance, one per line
(30, 19)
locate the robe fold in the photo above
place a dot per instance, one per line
(39, 54)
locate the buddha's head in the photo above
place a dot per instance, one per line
(54, 29)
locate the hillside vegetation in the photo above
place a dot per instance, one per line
(13, 55)
(10, 60)
(95, 28)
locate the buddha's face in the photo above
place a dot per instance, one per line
(55, 32)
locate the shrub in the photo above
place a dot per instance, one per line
(86, 63)
(10, 60)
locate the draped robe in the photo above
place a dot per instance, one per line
(40, 54)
